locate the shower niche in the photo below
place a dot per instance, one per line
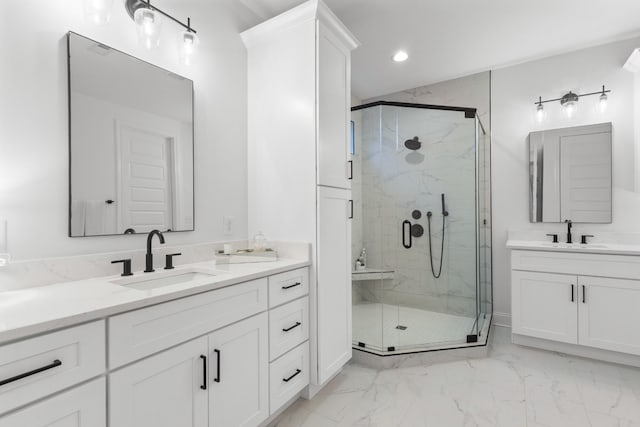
(421, 190)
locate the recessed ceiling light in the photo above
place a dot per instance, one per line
(400, 56)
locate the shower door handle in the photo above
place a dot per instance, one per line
(404, 234)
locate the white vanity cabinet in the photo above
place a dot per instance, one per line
(299, 180)
(544, 305)
(199, 361)
(239, 375)
(609, 314)
(588, 300)
(165, 390)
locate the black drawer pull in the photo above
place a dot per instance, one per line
(292, 286)
(584, 294)
(291, 327)
(217, 378)
(204, 372)
(286, 380)
(53, 364)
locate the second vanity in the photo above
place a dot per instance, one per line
(226, 345)
(577, 299)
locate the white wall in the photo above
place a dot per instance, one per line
(34, 128)
(514, 91)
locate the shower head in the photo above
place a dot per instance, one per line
(413, 143)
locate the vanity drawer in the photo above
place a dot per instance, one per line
(288, 286)
(288, 326)
(288, 376)
(83, 406)
(149, 330)
(36, 367)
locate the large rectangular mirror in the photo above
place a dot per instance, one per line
(570, 174)
(131, 144)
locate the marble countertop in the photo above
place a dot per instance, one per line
(593, 248)
(36, 310)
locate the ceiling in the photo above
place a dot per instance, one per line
(447, 39)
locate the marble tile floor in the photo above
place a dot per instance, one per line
(375, 325)
(515, 386)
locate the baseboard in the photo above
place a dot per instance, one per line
(578, 350)
(502, 319)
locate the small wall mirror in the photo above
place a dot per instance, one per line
(570, 174)
(131, 144)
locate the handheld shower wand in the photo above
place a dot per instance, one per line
(445, 214)
(444, 211)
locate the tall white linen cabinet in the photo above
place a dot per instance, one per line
(299, 86)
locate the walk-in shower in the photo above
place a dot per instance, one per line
(422, 211)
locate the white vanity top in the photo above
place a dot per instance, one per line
(593, 248)
(601, 243)
(36, 310)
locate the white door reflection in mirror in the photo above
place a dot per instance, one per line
(146, 182)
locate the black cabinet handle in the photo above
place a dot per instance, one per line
(204, 372)
(109, 201)
(584, 294)
(572, 293)
(217, 378)
(53, 364)
(350, 169)
(404, 234)
(291, 327)
(292, 286)
(350, 209)
(286, 380)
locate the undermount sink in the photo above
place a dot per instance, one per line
(159, 280)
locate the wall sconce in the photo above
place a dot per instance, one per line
(570, 103)
(148, 19)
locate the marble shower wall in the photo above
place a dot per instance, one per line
(395, 181)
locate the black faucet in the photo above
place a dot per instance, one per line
(568, 221)
(149, 259)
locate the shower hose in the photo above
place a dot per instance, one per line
(433, 270)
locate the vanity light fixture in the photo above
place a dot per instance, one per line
(148, 19)
(570, 102)
(400, 56)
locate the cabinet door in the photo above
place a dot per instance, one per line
(83, 406)
(544, 305)
(333, 288)
(164, 390)
(334, 110)
(609, 314)
(239, 378)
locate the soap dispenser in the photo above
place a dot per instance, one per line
(259, 242)
(363, 258)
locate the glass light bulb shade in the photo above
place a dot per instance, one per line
(570, 109)
(604, 100)
(98, 11)
(400, 56)
(540, 113)
(149, 24)
(188, 42)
